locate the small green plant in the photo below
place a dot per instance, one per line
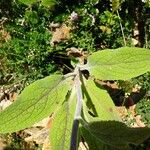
(143, 109)
(81, 107)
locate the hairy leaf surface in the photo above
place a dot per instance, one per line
(99, 102)
(95, 143)
(117, 134)
(60, 133)
(37, 101)
(120, 64)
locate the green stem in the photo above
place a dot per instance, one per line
(74, 134)
(121, 29)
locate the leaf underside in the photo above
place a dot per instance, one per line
(117, 134)
(99, 102)
(37, 101)
(95, 144)
(60, 133)
(119, 64)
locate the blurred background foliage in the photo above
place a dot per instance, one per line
(25, 33)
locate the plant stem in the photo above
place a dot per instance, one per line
(121, 29)
(70, 75)
(74, 134)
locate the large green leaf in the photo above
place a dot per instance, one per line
(99, 102)
(37, 101)
(120, 64)
(117, 134)
(60, 133)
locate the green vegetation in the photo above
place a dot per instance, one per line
(57, 94)
(55, 46)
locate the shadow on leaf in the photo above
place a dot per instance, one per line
(115, 134)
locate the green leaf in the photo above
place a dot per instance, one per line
(37, 101)
(28, 2)
(117, 134)
(105, 29)
(94, 143)
(31, 16)
(49, 3)
(119, 64)
(99, 102)
(116, 4)
(60, 134)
